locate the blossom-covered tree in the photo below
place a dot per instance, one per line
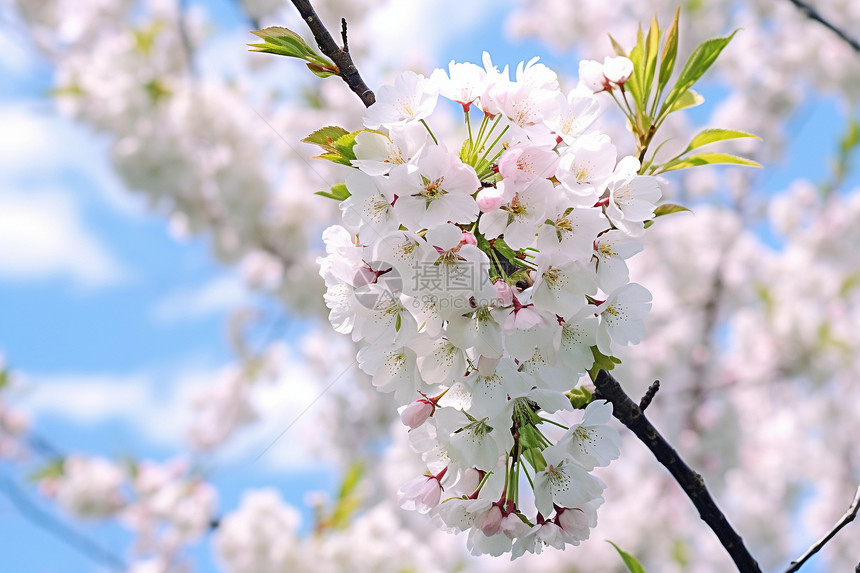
(543, 211)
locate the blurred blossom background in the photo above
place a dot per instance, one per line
(174, 399)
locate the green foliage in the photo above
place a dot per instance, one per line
(51, 469)
(4, 378)
(666, 209)
(691, 98)
(631, 562)
(670, 52)
(702, 58)
(326, 136)
(843, 163)
(338, 192)
(348, 499)
(652, 72)
(714, 135)
(706, 159)
(285, 42)
(336, 142)
(579, 398)
(601, 362)
(532, 443)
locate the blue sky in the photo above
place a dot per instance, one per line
(97, 312)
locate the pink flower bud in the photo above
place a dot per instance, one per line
(490, 522)
(417, 413)
(468, 239)
(617, 70)
(503, 291)
(591, 74)
(489, 199)
(420, 494)
(574, 522)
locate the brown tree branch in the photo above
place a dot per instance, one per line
(813, 14)
(649, 395)
(849, 516)
(340, 56)
(629, 414)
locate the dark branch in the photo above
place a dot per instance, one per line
(629, 414)
(813, 14)
(343, 34)
(649, 395)
(60, 530)
(843, 521)
(340, 56)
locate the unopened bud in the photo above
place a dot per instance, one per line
(618, 69)
(489, 199)
(490, 522)
(468, 239)
(591, 74)
(503, 291)
(417, 413)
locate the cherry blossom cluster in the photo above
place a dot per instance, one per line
(164, 504)
(481, 284)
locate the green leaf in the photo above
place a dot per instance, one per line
(4, 378)
(634, 84)
(348, 499)
(700, 60)
(338, 192)
(579, 398)
(652, 50)
(708, 159)
(51, 469)
(345, 143)
(691, 98)
(530, 437)
(601, 362)
(322, 71)
(670, 52)
(535, 458)
(335, 158)
(619, 50)
(632, 564)
(326, 136)
(285, 42)
(503, 249)
(709, 136)
(668, 209)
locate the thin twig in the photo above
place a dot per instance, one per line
(343, 34)
(813, 14)
(629, 414)
(340, 56)
(57, 528)
(649, 395)
(849, 516)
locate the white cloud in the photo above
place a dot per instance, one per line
(406, 32)
(45, 149)
(158, 409)
(92, 399)
(219, 295)
(42, 235)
